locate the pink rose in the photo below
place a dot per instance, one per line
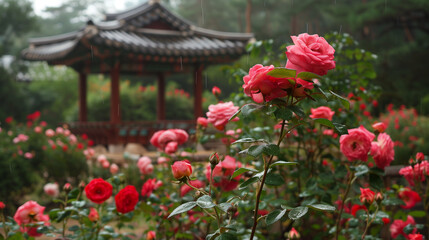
(322, 112)
(397, 227)
(181, 169)
(219, 114)
(310, 53)
(162, 160)
(417, 173)
(222, 174)
(59, 130)
(28, 155)
(367, 196)
(101, 158)
(202, 121)
(149, 186)
(30, 212)
(185, 188)
(51, 189)
(49, 133)
(379, 126)
(114, 169)
(356, 144)
(415, 236)
(293, 234)
(382, 151)
(145, 165)
(262, 87)
(38, 129)
(168, 140)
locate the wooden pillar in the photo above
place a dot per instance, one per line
(115, 111)
(198, 91)
(160, 103)
(82, 97)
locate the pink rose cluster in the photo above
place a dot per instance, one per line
(416, 173)
(359, 142)
(310, 53)
(219, 114)
(168, 140)
(222, 174)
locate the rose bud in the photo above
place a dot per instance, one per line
(214, 160)
(93, 215)
(181, 169)
(67, 187)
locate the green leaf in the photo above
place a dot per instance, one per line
(205, 202)
(249, 140)
(321, 91)
(256, 150)
(274, 216)
(283, 163)
(308, 75)
(183, 208)
(248, 182)
(343, 100)
(298, 111)
(274, 179)
(226, 236)
(224, 206)
(234, 115)
(322, 207)
(417, 213)
(297, 212)
(248, 109)
(211, 235)
(283, 113)
(361, 170)
(341, 129)
(243, 170)
(271, 149)
(78, 204)
(280, 72)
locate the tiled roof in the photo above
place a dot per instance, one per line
(149, 29)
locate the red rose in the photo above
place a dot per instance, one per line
(149, 186)
(222, 174)
(356, 208)
(2, 205)
(9, 119)
(126, 199)
(93, 215)
(310, 53)
(397, 227)
(410, 198)
(216, 91)
(366, 196)
(98, 190)
(181, 169)
(185, 188)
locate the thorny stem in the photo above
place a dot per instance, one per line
(368, 223)
(65, 220)
(349, 184)
(258, 194)
(197, 189)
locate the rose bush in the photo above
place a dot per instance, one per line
(298, 161)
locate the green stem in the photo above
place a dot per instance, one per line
(66, 219)
(368, 223)
(350, 181)
(258, 194)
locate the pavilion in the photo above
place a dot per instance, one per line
(146, 40)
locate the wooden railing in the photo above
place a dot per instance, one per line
(127, 132)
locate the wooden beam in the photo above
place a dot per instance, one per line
(160, 103)
(115, 111)
(198, 91)
(82, 97)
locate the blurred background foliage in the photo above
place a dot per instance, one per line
(392, 33)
